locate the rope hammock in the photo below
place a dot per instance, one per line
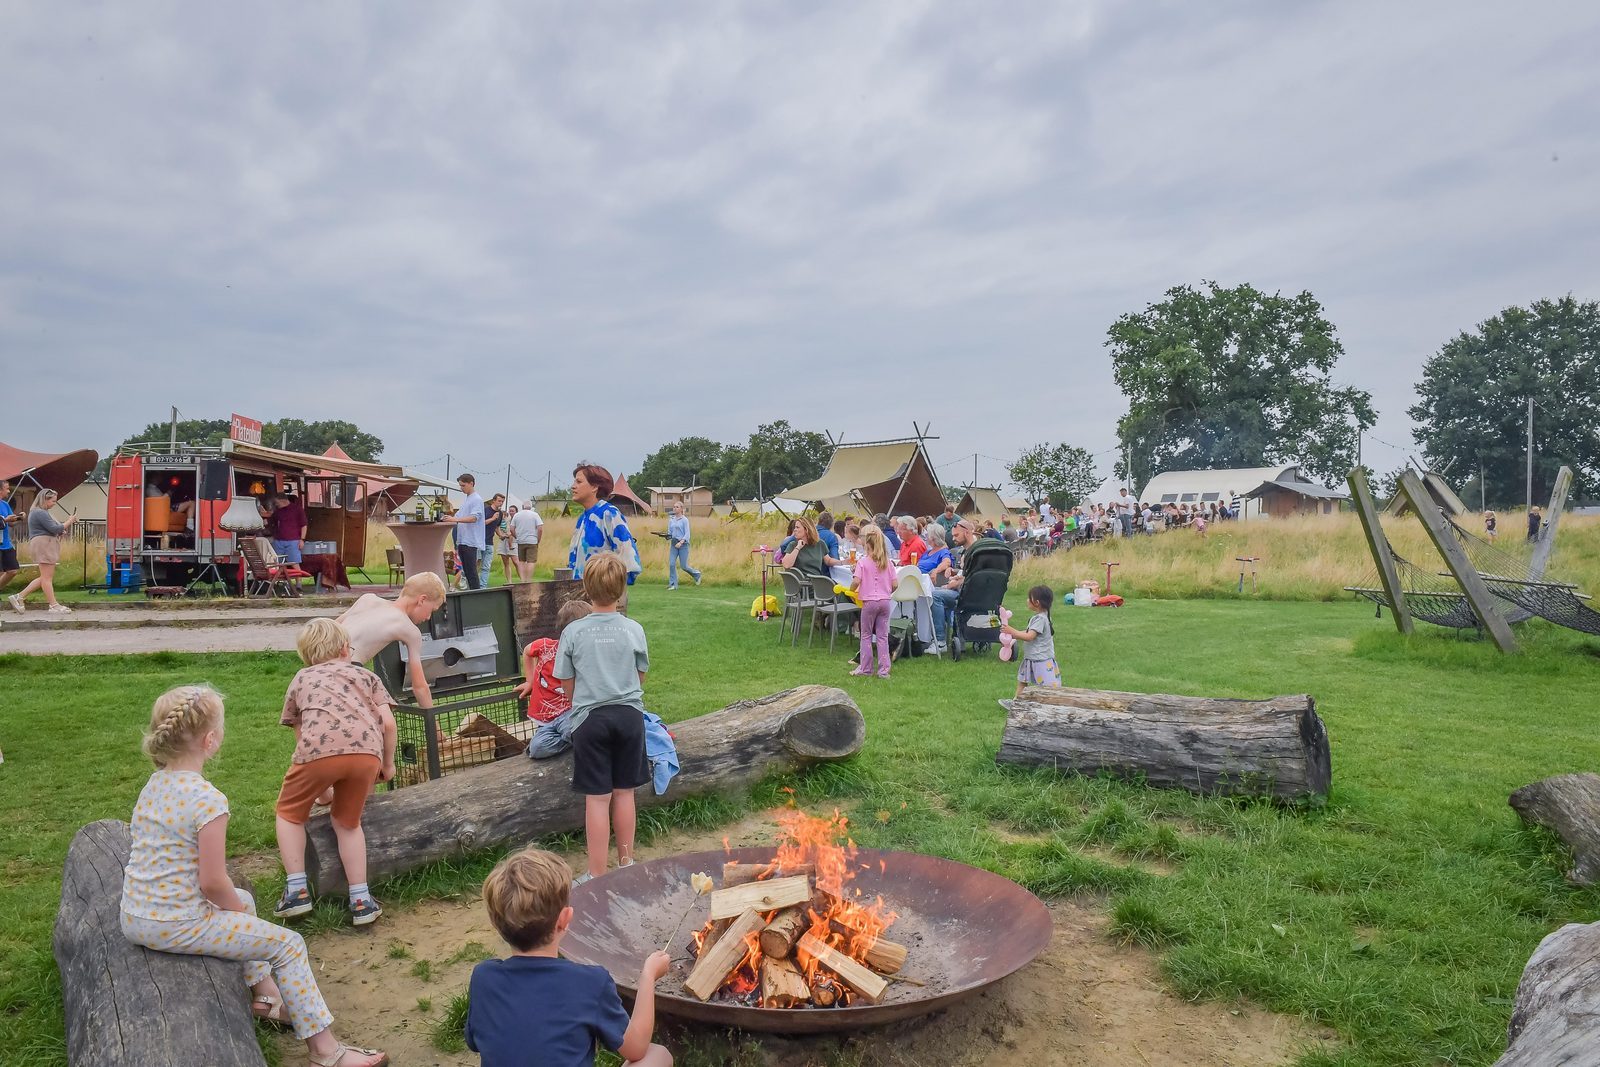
(1515, 583)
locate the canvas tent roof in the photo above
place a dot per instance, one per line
(981, 500)
(623, 490)
(1437, 488)
(875, 477)
(398, 490)
(61, 471)
(1106, 493)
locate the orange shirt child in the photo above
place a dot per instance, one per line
(546, 701)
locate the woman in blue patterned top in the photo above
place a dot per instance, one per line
(601, 527)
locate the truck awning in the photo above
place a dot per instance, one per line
(304, 461)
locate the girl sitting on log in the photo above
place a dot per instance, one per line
(177, 896)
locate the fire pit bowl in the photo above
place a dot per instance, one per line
(966, 929)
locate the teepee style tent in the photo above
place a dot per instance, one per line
(892, 477)
(626, 500)
(982, 501)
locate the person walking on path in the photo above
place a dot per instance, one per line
(44, 545)
(600, 526)
(525, 529)
(8, 550)
(678, 548)
(493, 519)
(469, 519)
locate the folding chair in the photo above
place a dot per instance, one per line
(832, 606)
(908, 590)
(797, 597)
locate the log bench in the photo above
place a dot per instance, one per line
(127, 1005)
(1555, 1019)
(518, 800)
(1276, 747)
(1569, 806)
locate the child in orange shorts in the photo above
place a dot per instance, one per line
(344, 742)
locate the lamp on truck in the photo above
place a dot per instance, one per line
(242, 516)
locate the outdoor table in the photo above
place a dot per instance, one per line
(424, 545)
(327, 568)
(842, 573)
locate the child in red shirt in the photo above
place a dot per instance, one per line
(546, 702)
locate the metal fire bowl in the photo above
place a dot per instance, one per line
(965, 928)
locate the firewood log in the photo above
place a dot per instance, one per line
(777, 940)
(781, 984)
(824, 991)
(1276, 747)
(869, 986)
(768, 895)
(1569, 806)
(721, 959)
(736, 873)
(879, 953)
(518, 799)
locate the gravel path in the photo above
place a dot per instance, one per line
(122, 640)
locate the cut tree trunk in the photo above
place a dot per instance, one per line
(1556, 1016)
(1569, 805)
(519, 800)
(777, 940)
(782, 985)
(1276, 747)
(128, 1005)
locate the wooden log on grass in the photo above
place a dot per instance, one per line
(128, 1005)
(1276, 747)
(1555, 1018)
(518, 800)
(1568, 805)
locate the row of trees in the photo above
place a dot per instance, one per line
(775, 457)
(1218, 377)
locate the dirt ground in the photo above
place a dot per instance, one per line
(1088, 1000)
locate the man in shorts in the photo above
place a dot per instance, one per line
(525, 529)
(373, 623)
(8, 549)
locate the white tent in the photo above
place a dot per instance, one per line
(1107, 492)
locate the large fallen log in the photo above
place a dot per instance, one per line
(518, 799)
(1569, 805)
(1556, 1016)
(128, 1005)
(1276, 747)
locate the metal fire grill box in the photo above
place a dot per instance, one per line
(472, 658)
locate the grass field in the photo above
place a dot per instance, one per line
(1400, 914)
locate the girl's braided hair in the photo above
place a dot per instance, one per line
(178, 718)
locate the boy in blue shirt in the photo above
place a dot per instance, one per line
(601, 663)
(535, 1007)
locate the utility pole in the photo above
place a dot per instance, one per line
(974, 470)
(172, 441)
(547, 482)
(1530, 453)
(761, 491)
(508, 479)
(447, 466)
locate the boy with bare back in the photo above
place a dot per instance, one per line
(374, 623)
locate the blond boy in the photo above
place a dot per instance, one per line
(535, 1000)
(344, 742)
(374, 623)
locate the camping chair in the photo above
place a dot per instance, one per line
(397, 563)
(797, 597)
(264, 572)
(832, 606)
(907, 590)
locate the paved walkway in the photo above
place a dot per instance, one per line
(123, 640)
(99, 617)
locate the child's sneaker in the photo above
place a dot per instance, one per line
(581, 879)
(15, 601)
(365, 911)
(293, 903)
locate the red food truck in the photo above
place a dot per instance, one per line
(168, 521)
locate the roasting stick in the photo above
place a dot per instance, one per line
(701, 884)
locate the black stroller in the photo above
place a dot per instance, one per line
(986, 571)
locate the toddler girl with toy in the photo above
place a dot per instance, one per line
(176, 893)
(1038, 666)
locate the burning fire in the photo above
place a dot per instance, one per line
(836, 915)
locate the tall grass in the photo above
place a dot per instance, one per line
(1310, 558)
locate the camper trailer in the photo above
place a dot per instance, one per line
(168, 524)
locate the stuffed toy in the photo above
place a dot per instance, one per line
(1007, 642)
(848, 593)
(772, 606)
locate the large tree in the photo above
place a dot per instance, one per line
(776, 457)
(686, 461)
(1234, 378)
(1472, 405)
(1062, 474)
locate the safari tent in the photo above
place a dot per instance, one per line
(892, 477)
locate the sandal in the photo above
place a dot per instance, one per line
(342, 1051)
(269, 1010)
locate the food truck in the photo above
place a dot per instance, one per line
(174, 516)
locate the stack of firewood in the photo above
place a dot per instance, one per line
(777, 936)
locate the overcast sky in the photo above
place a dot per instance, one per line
(540, 233)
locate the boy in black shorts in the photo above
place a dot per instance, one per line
(601, 663)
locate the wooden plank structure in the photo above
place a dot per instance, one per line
(127, 1005)
(1483, 603)
(1378, 545)
(1547, 536)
